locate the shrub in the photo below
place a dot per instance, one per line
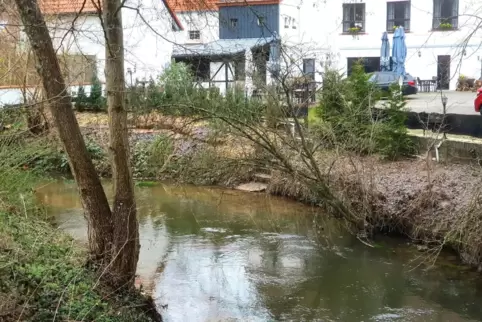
(392, 137)
(81, 100)
(97, 102)
(347, 117)
(149, 158)
(345, 110)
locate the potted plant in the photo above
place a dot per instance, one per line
(445, 26)
(354, 31)
(461, 82)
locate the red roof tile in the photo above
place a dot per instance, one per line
(192, 5)
(67, 6)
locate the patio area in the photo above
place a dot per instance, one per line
(458, 102)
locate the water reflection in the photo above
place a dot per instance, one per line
(217, 255)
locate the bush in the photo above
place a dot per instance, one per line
(347, 120)
(345, 110)
(149, 158)
(54, 160)
(81, 100)
(97, 102)
(392, 137)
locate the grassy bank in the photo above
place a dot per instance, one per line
(43, 273)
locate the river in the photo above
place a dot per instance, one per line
(209, 254)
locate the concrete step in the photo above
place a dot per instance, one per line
(252, 187)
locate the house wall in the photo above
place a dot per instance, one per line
(301, 33)
(87, 37)
(148, 44)
(207, 22)
(421, 38)
(247, 21)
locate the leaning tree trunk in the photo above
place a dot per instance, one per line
(92, 195)
(126, 230)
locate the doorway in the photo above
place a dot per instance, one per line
(443, 72)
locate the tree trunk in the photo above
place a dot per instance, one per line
(126, 229)
(94, 201)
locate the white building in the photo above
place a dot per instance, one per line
(441, 35)
(150, 30)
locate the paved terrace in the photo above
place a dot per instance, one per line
(458, 102)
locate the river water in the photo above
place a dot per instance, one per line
(210, 254)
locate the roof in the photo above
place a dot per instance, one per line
(234, 3)
(192, 5)
(90, 6)
(67, 6)
(221, 47)
(175, 19)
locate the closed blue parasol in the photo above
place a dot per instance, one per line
(399, 51)
(385, 53)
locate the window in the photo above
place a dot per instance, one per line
(260, 21)
(309, 67)
(398, 14)
(194, 34)
(287, 22)
(353, 16)
(233, 22)
(445, 14)
(293, 24)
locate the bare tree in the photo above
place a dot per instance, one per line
(126, 230)
(113, 243)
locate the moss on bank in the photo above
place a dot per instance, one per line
(43, 273)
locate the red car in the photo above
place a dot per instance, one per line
(478, 101)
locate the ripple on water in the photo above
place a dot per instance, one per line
(401, 314)
(213, 230)
(262, 264)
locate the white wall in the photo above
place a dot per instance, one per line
(304, 40)
(207, 22)
(85, 37)
(420, 38)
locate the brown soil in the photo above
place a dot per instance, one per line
(431, 203)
